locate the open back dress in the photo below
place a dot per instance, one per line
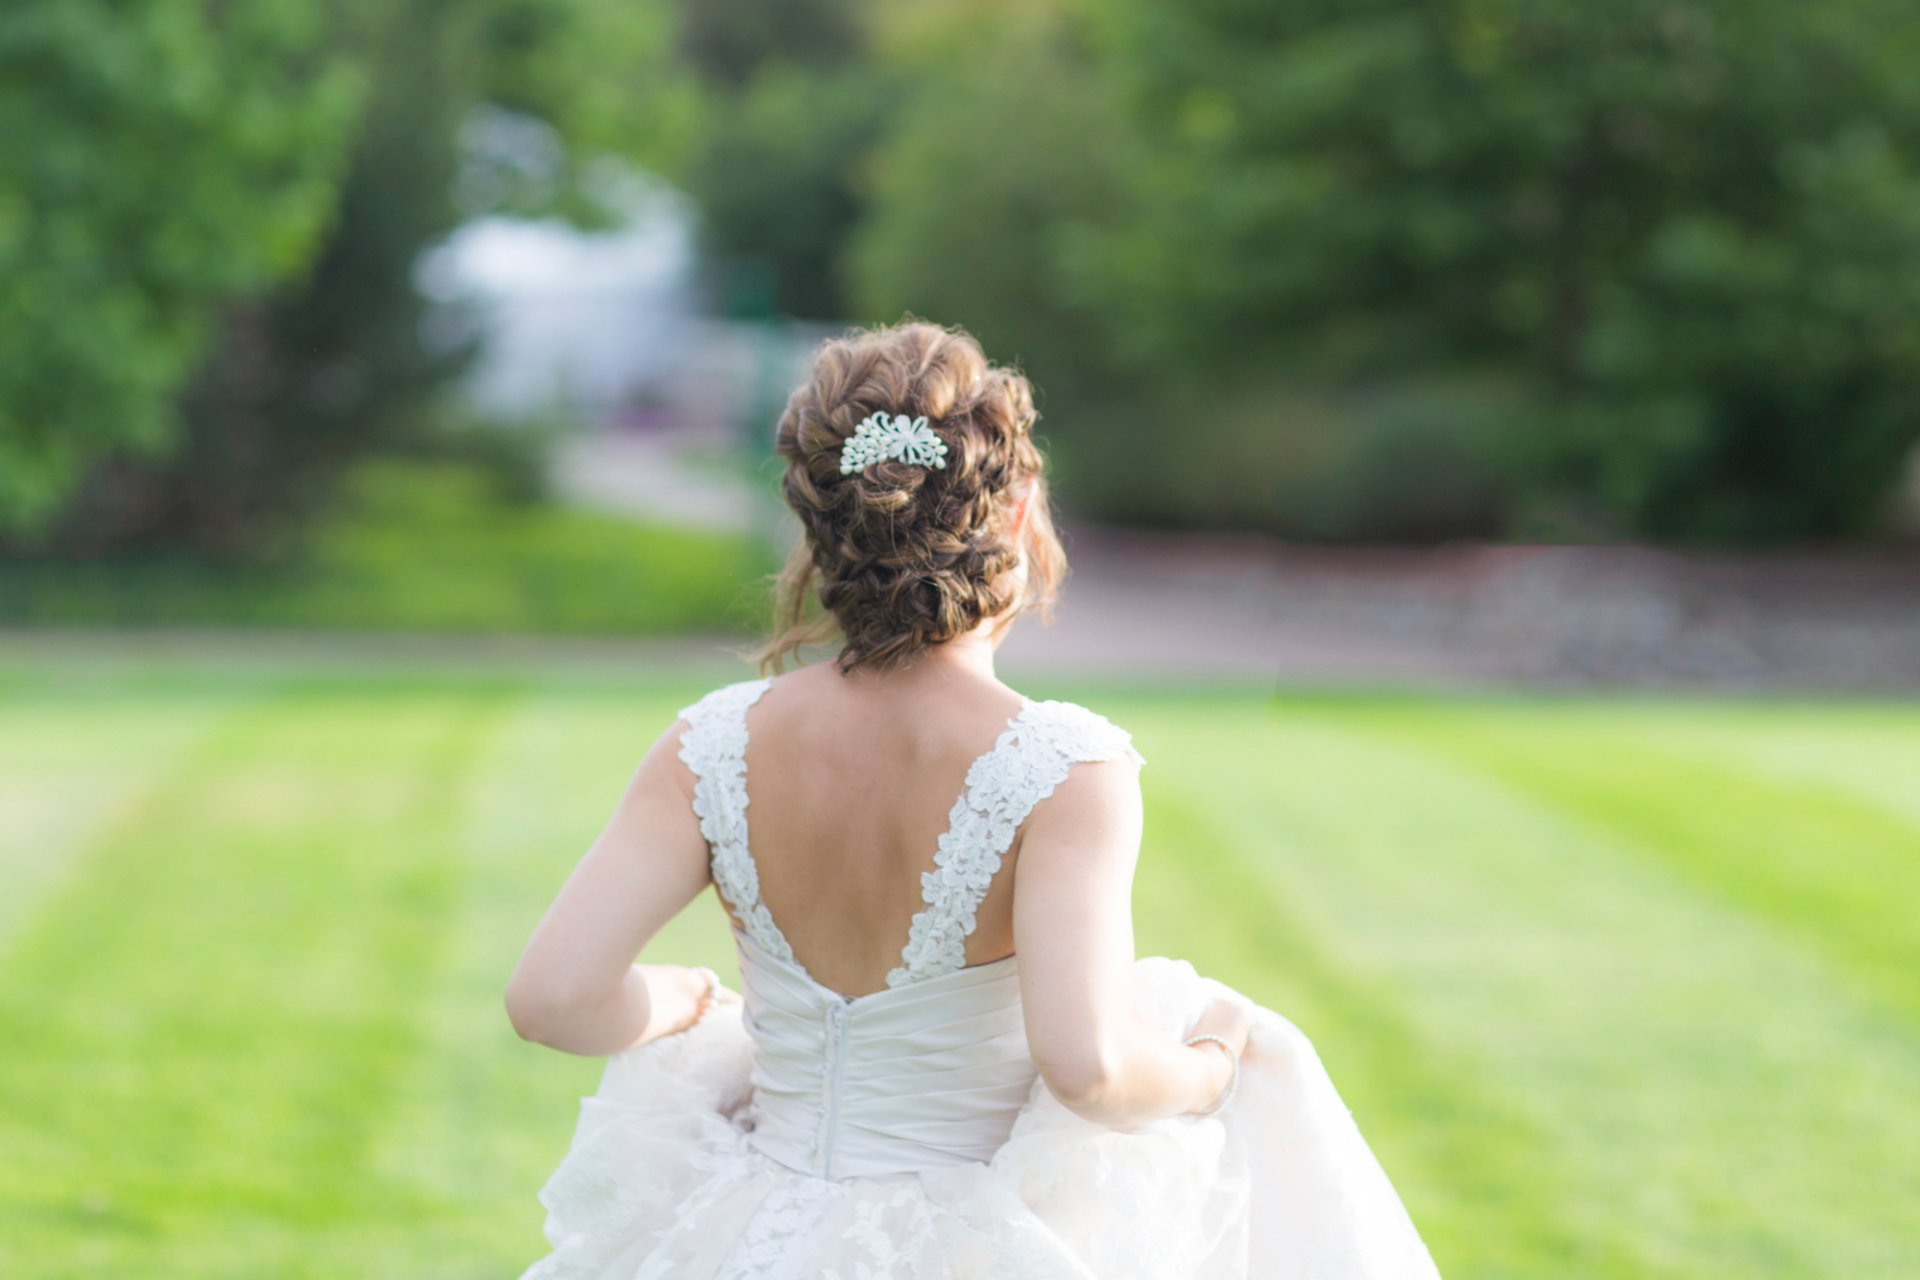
(906, 1133)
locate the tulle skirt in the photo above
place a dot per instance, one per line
(661, 1181)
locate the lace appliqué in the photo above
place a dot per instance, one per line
(791, 1212)
(1032, 756)
(714, 747)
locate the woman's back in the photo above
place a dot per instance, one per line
(853, 785)
(928, 1065)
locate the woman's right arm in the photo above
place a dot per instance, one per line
(1073, 931)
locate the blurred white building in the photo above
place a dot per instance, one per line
(590, 323)
(610, 331)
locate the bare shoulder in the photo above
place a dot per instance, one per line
(1094, 791)
(1091, 823)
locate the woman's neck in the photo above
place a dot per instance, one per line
(967, 658)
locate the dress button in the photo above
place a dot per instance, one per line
(820, 1070)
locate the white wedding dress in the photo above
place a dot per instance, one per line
(905, 1133)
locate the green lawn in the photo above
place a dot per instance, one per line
(1616, 989)
(426, 546)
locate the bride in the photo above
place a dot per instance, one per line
(945, 1059)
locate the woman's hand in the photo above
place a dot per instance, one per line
(682, 999)
(692, 996)
(1228, 1020)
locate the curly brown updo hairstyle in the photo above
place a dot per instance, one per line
(904, 557)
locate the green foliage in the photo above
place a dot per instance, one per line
(1254, 255)
(423, 546)
(1005, 157)
(157, 163)
(775, 185)
(995, 158)
(776, 103)
(514, 456)
(215, 339)
(607, 77)
(1686, 231)
(308, 376)
(733, 41)
(991, 163)
(1405, 461)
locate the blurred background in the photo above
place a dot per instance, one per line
(1486, 436)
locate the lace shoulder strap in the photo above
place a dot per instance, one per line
(1031, 757)
(714, 747)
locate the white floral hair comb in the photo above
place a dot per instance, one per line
(897, 436)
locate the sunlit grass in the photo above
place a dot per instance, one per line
(426, 546)
(1615, 990)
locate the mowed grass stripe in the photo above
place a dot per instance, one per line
(1868, 751)
(487, 1117)
(68, 771)
(1833, 864)
(1474, 1171)
(1871, 757)
(1248, 835)
(1734, 1090)
(1662, 1038)
(207, 1026)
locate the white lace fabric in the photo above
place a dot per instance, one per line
(714, 748)
(1031, 757)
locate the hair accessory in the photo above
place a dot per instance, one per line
(881, 437)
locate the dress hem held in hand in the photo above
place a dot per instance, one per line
(663, 1179)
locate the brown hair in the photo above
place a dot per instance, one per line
(904, 557)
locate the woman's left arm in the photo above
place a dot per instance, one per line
(576, 987)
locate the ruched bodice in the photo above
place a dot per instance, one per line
(932, 1069)
(908, 1077)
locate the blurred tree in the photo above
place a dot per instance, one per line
(306, 376)
(774, 179)
(788, 100)
(1362, 269)
(154, 164)
(607, 76)
(732, 42)
(310, 370)
(1003, 148)
(1009, 148)
(1675, 237)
